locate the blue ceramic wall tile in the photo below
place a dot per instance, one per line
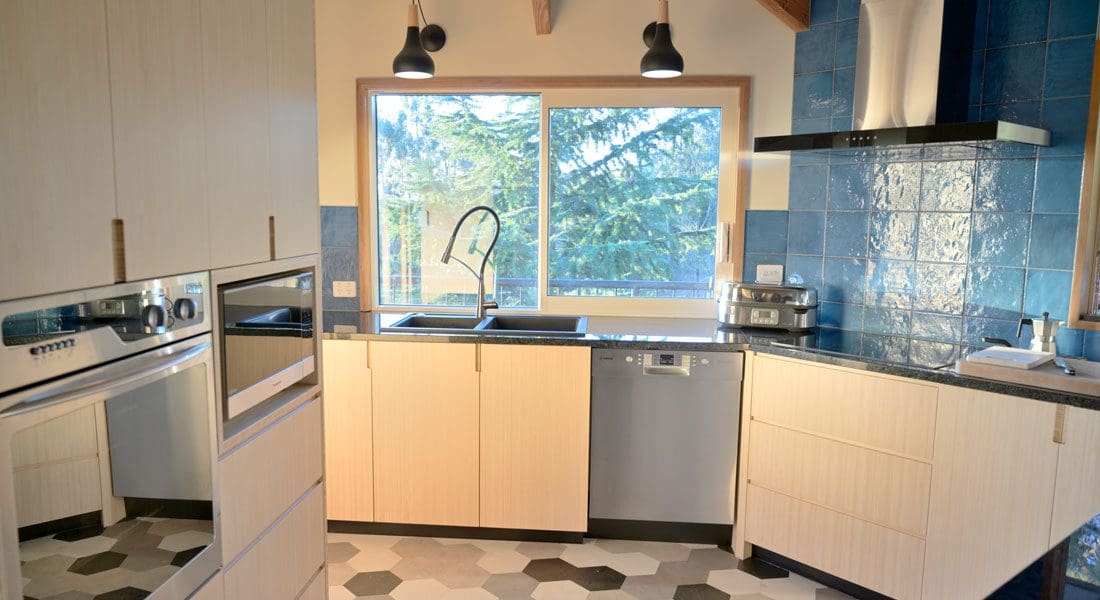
(884, 347)
(766, 231)
(893, 154)
(1072, 17)
(847, 9)
(807, 232)
(937, 288)
(814, 49)
(842, 123)
(947, 152)
(893, 235)
(846, 233)
(1047, 291)
(840, 316)
(339, 226)
(1092, 345)
(981, 25)
(839, 340)
(941, 328)
(1069, 67)
(1000, 239)
(977, 73)
(1005, 185)
(339, 264)
(808, 185)
(846, 43)
(748, 271)
(944, 237)
(811, 125)
(844, 280)
(1067, 120)
(975, 328)
(1052, 241)
(813, 95)
(996, 292)
(844, 91)
(890, 283)
(896, 186)
(892, 321)
(1024, 113)
(932, 355)
(1058, 185)
(1070, 342)
(1013, 74)
(1017, 22)
(947, 186)
(849, 186)
(822, 11)
(805, 268)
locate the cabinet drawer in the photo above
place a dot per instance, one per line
(261, 478)
(285, 559)
(57, 490)
(870, 485)
(869, 555)
(878, 412)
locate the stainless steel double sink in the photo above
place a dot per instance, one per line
(513, 325)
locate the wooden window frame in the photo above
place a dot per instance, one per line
(1083, 294)
(731, 269)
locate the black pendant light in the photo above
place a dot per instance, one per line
(662, 61)
(413, 62)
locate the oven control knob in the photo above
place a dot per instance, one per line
(186, 309)
(154, 316)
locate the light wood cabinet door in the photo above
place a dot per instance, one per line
(1077, 493)
(349, 458)
(56, 155)
(157, 105)
(992, 491)
(425, 398)
(534, 437)
(293, 99)
(238, 136)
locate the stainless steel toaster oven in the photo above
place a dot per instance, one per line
(787, 307)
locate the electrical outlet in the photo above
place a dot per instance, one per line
(769, 273)
(343, 289)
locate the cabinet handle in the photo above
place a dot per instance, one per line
(1060, 424)
(118, 249)
(271, 235)
(477, 358)
(726, 241)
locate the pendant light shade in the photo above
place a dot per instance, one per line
(413, 62)
(662, 61)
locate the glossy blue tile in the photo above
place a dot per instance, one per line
(937, 288)
(1005, 185)
(1072, 17)
(822, 11)
(896, 154)
(840, 316)
(1017, 22)
(1069, 67)
(813, 95)
(947, 185)
(1092, 345)
(931, 326)
(977, 74)
(944, 237)
(1047, 291)
(846, 233)
(814, 49)
(1067, 120)
(339, 264)
(884, 347)
(976, 328)
(981, 25)
(805, 268)
(849, 186)
(807, 232)
(844, 91)
(808, 185)
(1070, 342)
(996, 292)
(932, 355)
(847, 9)
(811, 125)
(1013, 74)
(847, 37)
(752, 260)
(1000, 239)
(766, 231)
(339, 226)
(891, 321)
(839, 340)
(890, 283)
(1052, 241)
(1024, 113)
(896, 186)
(1058, 185)
(842, 123)
(893, 235)
(844, 280)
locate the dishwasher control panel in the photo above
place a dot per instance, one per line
(629, 363)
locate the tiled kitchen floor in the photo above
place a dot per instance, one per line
(409, 568)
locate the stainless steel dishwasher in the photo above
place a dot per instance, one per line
(664, 444)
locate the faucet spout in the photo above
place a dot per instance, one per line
(482, 305)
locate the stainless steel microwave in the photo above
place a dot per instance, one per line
(268, 340)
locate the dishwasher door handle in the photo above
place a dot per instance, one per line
(665, 370)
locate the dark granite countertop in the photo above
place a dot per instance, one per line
(703, 335)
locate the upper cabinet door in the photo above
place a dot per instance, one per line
(57, 199)
(156, 91)
(293, 100)
(238, 137)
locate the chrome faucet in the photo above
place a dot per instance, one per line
(482, 305)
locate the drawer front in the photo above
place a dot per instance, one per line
(881, 413)
(55, 491)
(869, 555)
(261, 478)
(64, 438)
(874, 486)
(284, 560)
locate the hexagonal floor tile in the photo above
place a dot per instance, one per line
(538, 550)
(559, 590)
(595, 579)
(339, 573)
(126, 593)
(80, 533)
(339, 592)
(699, 591)
(633, 564)
(421, 589)
(150, 559)
(375, 583)
(831, 594)
(97, 563)
(373, 558)
(468, 594)
(661, 551)
(185, 556)
(338, 552)
(587, 554)
(792, 587)
(610, 595)
(510, 586)
(734, 581)
(508, 561)
(185, 540)
(89, 546)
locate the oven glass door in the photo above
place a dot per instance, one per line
(111, 476)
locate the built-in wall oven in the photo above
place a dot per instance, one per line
(107, 442)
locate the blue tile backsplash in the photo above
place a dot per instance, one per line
(920, 252)
(339, 254)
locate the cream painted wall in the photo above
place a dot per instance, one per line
(359, 38)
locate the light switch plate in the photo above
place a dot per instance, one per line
(769, 274)
(343, 289)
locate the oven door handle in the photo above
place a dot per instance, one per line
(112, 379)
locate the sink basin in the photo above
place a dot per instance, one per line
(535, 325)
(420, 322)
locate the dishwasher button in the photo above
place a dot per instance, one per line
(706, 361)
(630, 359)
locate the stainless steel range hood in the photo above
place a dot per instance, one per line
(913, 70)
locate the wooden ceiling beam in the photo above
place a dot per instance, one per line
(794, 13)
(541, 9)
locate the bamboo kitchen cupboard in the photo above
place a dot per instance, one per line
(349, 457)
(1077, 492)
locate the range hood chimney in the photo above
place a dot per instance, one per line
(913, 68)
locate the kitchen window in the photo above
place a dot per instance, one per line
(1085, 295)
(612, 200)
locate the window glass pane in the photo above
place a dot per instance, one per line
(438, 156)
(633, 201)
(1084, 556)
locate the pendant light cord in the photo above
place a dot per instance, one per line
(421, 7)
